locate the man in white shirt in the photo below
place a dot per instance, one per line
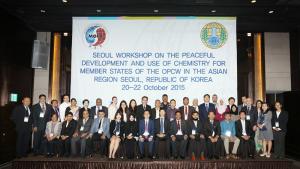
(63, 106)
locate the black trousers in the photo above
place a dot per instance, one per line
(162, 147)
(246, 148)
(179, 146)
(279, 143)
(52, 146)
(23, 142)
(65, 146)
(197, 146)
(214, 149)
(130, 148)
(38, 138)
(97, 143)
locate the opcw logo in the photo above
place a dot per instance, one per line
(214, 35)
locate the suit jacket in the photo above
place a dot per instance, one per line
(105, 126)
(174, 128)
(56, 131)
(81, 112)
(40, 122)
(239, 129)
(282, 119)
(86, 127)
(153, 113)
(140, 111)
(252, 113)
(17, 117)
(199, 128)
(113, 126)
(150, 127)
(93, 111)
(166, 126)
(208, 128)
(204, 113)
(68, 130)
(190, 111)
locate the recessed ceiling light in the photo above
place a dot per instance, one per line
(66, 33)
(64, 1)
(253, 1)
(155, 10)
(98, 10)
(271, 11)
(43, 11)
(249, 34)
(213, 11)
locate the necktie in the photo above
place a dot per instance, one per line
(144, 107)
(26, 112)
(161, 125)
(248, 108)
(43, 107)
(206, 106)
(57, 111)
(146, 125)
(100, 124)
(178, 125)
(185, 110)
(98, 109)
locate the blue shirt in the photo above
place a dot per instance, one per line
(227, 128)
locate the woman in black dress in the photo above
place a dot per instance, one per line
(131, 134)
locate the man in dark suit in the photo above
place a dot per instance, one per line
(162, 140)
(205, 108)
(140, 109)
(246, 135)
(41, 115)
(197, 138)
(146, 134)
(23, 119)
(154, 113)
(212, 131)
(67, 131)
(81, 135)
(251, 113)
(98, 107)
(186, 110)
(165, 102)
(179, 136)
(279, 125)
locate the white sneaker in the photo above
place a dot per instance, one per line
(263, 154)
(268, 155)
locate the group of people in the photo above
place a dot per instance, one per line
(211, 130)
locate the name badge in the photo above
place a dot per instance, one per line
(26, 119)
(146, 133)
(179, 132)
(228, 133)
(248, 117)
(193, 132)
(117, 133)
(95, 116)
(42, 114)
(81, 128)
(213, 133)
(51, 134)
(277, 124)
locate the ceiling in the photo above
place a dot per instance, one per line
(56, 15)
